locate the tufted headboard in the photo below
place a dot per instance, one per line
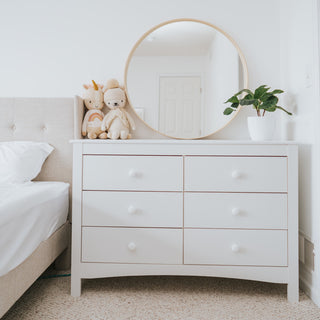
(42, 119)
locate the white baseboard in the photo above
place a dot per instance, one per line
(308, 284)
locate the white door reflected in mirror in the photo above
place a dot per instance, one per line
(180, 73)
(180, 106)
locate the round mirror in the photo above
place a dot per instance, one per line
(180, 73)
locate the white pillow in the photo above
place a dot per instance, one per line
(21, 161)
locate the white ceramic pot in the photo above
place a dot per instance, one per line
(261, 128)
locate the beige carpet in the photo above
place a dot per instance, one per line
(156, 298)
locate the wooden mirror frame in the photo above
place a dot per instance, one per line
(146, 34)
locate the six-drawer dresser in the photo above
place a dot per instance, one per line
(178, 207)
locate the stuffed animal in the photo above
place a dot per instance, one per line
(117, 121)
(93, 100)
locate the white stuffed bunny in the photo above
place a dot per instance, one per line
(93, 100)
(117, 121)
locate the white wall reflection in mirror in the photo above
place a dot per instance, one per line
(180, 75)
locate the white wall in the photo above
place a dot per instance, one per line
(300, 78)
(299, 82)
(49, 48)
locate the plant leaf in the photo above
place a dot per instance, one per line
(244, 90)
(233, 99)
(248, 96)
(235, 105)
(270, 102)
(277, 91)
(271, 109)
(289, 113)
(265, 96)
(260, 91)
(228, 111)
(247, 102)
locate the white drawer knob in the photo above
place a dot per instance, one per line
(235, 248)
(132, 209)
(235, 174)
(132, 246)
(133, 173)
(235, 211)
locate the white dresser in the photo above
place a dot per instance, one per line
(178, 207)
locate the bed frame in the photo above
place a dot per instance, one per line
(50, 120)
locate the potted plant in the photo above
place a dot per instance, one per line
(262, 100)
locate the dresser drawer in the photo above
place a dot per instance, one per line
(131, 245)
(132, 209)
(235, 210)
(235, 247)
(145, 173)
(236, 174)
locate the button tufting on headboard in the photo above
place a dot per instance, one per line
(30, 118)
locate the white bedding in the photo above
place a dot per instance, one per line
(29, 213)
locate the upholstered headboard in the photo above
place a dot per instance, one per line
(42, 119)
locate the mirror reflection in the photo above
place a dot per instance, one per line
(179, 76)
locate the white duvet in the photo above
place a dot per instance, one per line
(29, 214)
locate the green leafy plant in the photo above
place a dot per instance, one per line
(261, 99)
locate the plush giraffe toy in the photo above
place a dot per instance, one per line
(93, 100)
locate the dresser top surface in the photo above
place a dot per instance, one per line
(182, 142)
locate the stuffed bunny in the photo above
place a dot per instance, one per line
(117, 121)
(93, 100)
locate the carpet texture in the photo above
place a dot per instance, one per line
(154, 298)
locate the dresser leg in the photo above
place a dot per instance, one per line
(293, 292)
(75, 286)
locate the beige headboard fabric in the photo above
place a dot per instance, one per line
(42, 119)
(78, 116)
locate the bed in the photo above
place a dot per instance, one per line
(38, 119)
